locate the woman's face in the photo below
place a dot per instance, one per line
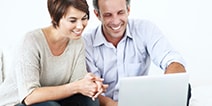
(73, 23)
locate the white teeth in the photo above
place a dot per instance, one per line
(77, 32)
(116, 28)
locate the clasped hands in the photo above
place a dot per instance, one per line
(97, 85)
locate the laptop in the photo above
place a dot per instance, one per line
(154, 90)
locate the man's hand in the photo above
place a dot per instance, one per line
(175, 67)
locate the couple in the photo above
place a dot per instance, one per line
(51, 66)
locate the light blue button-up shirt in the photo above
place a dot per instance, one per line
(142, 42)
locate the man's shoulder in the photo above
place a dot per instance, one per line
(91, 32)
(140, 25)
(91, 29)
(139, 21)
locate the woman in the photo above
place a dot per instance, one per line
(51, 66)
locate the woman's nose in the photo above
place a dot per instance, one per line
(79, 25)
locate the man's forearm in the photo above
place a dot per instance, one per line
(106, 101)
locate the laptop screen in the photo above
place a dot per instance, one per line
(154, 90)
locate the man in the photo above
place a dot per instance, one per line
(122, 47)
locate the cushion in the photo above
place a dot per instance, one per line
(1, 66)
(201, 96)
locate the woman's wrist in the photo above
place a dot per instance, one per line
(72, 88)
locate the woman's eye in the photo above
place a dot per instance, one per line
(72, 21)
(85, 18)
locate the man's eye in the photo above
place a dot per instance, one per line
(107, 15)
(121, 12)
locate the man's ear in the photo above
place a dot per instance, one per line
(128, 9)
(96, 12)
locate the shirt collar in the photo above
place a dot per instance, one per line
(127, 33)
(100, 39)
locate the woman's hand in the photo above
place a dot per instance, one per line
(87, 86)
(101, 88)
(92, 86)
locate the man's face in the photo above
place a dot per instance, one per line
(113, 14)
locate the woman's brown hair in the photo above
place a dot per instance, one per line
(58, 8)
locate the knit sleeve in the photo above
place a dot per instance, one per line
(27, 67)
(79, 67)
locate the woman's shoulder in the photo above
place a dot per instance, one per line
(36, 33)
(31, 39)
(33, 36)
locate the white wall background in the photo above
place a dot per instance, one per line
(186, 23)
